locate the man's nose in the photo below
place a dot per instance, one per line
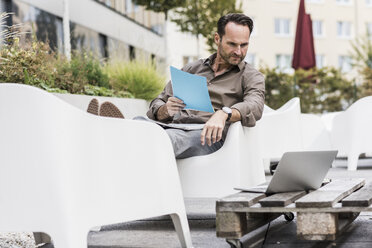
(238, 50)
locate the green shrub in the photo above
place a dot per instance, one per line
(33, 65)
(278, 87)
(83, 69)
(320, 90)
(366, 87)
(36, 64)
(102, 91)
(323, 90)
(139, 78)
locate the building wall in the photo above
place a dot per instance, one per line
(96, 22)
(265, 44)
(182, 47)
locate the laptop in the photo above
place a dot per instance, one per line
(297, 171)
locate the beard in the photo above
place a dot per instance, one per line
(230, 58)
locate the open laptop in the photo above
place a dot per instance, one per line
(297, 171)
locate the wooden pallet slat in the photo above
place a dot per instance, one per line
(331, 193)
(281, 199)
(238, 200)
(321, 215)
(360, 198)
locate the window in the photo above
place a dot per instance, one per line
(344, 29)
(283, 62)
(282, 26)
(344, 62)
(318, 28)
(320, 61)
(59, 34)
(250, 58)
(344, 2)
(132, 53)
(128, 6)
(158, 28)
(315, 1)
(369, 29)
(103, 46)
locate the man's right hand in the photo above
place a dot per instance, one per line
(173, 106)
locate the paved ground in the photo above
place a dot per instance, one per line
(160, 232)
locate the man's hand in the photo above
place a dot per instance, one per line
(170, 108)
(212, 131)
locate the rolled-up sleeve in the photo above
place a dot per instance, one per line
(163, 96)
(159, 101)
(251, 107)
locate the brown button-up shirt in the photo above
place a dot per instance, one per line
(241, 87)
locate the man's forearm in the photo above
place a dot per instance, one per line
(162, 113)
(235, 115)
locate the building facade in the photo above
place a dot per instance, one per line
(109, 28)
(336, 23)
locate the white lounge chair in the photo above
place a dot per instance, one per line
(237, 164)
(64, 171)
(280, 131)
(351, 131)
(315, 135)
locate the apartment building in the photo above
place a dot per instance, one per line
(336, 23)
(109, 28)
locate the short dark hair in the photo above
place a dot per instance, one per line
(237, 18)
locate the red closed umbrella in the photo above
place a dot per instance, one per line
(303, 54)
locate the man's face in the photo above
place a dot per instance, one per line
(233, 46)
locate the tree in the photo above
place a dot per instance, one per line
(199, 17)
(162, 6)
(362, 52)
(362, 60)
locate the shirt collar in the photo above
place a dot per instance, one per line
(209, 61)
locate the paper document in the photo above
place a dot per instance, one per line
(191, 89)
(183, 126)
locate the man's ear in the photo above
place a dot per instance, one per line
(217, 38)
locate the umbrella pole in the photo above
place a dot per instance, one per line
(294, 84)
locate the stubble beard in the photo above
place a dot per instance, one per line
(226, 57)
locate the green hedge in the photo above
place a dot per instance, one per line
(36, 64)
(320, 90)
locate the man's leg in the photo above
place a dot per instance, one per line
(187, 143)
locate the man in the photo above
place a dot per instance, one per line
(236, 90)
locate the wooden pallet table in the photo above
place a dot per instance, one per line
(321, 214)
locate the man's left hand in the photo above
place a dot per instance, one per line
(212, 131)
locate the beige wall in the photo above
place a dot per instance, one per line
(266, 44)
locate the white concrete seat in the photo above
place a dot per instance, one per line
(237, 164)
(64, 171)
(351, 132)
(280, 131)
(315, 135)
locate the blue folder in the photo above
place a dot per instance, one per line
(191, 89)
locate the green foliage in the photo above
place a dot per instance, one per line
(362, 58)
(278, 87)
(366, 87)
(323, 90)
(139, 78)
(362, 52)
(83, 69)
(37, 65)
(160, 5)
(200, 17)
(320, 90)
(33, 65)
